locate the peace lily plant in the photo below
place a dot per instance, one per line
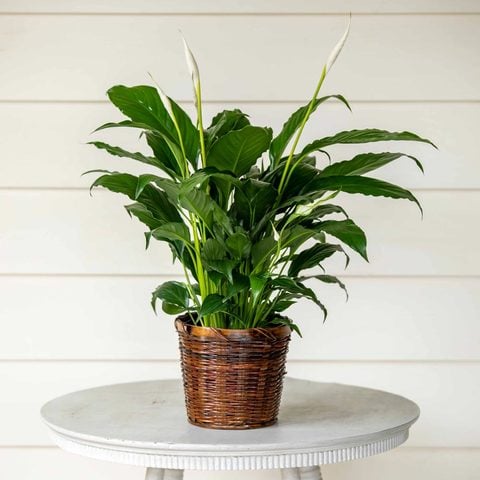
(247, 213)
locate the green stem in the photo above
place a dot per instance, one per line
(198, 93)
(300, 131)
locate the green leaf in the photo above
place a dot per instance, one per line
(188, 131)
(223, 123)
(312, 257)
(362, 185)
(214, 257)
(238, 150)
(240, 283)
(363, 136)
(174, 294)
(347, 232)
(280, 142)
(213, 303)
(284, 320)
(307, 218)
(364, 163)
(199, 203)
(143, 105)
(162, 151)
(122, 124)
(327, 279)
(171, 188)
(173, 231)
(171, 309)
(303, 174)
(253, 200)
(220, 181)
(263, 250)
(201, 176)
(239, 245)
(143, 214)
(120, 152)
(257, 284)
(154, 200)
(295, 236)
(298, 289)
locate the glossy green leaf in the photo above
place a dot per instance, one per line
(362, 185)
(173, 231)
(363, 136)
(162, 151)
(312, 257)
(225, 122)
(120, 152)
(143, 105)
(253, 201)
(364, 163)
(213, 303)
(280, 142)
(199, 203)
(239, 245)
(257, 284)
(143, 214)
(171, 188)
(238, 150)
(297, 288)
(174, 294)
(154, 200)
(214, 257)
(263, 250)
(347, 232)
(326, 279)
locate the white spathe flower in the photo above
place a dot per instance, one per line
(163, 97)
(338, 47)
(166, 102)
(192, 64)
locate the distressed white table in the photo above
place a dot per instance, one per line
(144, 424)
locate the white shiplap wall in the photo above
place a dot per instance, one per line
(75, 280)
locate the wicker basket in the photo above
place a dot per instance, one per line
(232, 378)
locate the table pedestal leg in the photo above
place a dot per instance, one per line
(163, 474)
(310, 473)
(302, 473)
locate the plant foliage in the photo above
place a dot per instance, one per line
(247, 213)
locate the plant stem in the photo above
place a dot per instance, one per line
(203, 155)
(300, 131)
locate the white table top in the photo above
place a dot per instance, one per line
(145, 424)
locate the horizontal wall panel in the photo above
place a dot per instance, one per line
(396, 57)
(56, 154)
(399, 464)
(109, 318)
(70, 232)
(412, 464)
(245, 6)
(446, 393)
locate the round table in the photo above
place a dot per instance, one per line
(144, 423)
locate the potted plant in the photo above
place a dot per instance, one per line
(248, 214)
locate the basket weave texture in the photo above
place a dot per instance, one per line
(233, 379)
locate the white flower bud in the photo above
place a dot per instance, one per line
(338, 47)
(166, 102)
(192, 64)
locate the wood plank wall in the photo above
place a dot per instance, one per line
(75, 279)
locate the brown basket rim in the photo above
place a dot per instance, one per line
(280, 331)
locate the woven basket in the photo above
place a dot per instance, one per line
(232, 378)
